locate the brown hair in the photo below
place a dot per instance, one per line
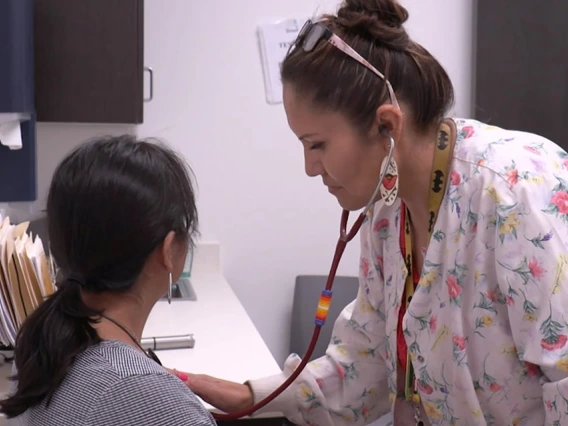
(337, 82)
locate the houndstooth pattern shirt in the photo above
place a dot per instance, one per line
(112, 384)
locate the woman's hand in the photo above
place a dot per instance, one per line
(221, 394)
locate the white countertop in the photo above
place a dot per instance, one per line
(227, 344)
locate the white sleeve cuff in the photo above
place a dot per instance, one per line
(283, 403)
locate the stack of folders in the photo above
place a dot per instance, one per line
(26, 277)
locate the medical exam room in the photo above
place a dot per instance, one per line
(284, 212)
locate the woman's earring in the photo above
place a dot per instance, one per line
(170, 290)
(389, 184)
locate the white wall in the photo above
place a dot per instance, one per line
(272, 221)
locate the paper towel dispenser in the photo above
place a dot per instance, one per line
(17, 110)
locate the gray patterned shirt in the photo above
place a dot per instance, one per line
(112, 384)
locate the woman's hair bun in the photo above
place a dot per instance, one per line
(379, 21)
(389, 12)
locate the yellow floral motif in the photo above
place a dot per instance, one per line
(367, 352)
(440, 337)
(342, 350)
(392, 397)
(487, 321)
(509, 351)
(510, 224)
(457, 237)
(365, 306)
(315, 363)
(493, 194)
(432, 410)
(536, 179)
(562, 364)
(477, 413)
(306, 392)
(428, 278)
(560, 272)
(530, 316)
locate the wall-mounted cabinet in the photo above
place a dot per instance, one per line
(17, 166)
(522, 66)
(89, 61)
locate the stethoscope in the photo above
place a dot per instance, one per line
(325, 298)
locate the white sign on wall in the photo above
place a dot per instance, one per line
(275, 39)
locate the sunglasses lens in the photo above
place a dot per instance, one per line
(300, 36)
(304, 29)
(312, 38)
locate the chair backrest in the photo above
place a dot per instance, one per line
(306, 295)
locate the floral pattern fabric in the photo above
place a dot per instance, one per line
(487, 328)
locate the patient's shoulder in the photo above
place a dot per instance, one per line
(133, 389)
(144, 400)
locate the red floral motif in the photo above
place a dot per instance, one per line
(341, 371)
(453, 288)
(536, 270)
(381, 265)
(455, 178)
(491, 295)
(532, 149)
(459, 341)
(365, 267)
(381, 224)
(560, 200)
(495, 387)
(513, 176)
(424, 387)
(532, 369)
(467, 131)
(554, 343)
(433, 323)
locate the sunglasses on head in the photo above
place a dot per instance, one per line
(314, 32)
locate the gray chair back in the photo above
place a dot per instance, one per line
(306, 295)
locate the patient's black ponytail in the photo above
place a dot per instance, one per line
(46, 346)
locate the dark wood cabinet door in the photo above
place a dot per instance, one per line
(16, 56)
(522, 66)
(89, 61)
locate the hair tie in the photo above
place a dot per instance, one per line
(75, 278)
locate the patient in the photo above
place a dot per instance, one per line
(121, 216)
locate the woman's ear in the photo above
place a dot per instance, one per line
(388, 119)
(168, 253)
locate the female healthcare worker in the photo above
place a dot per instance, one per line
(461, 316)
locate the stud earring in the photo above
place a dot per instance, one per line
(170, 290)
(389, 184)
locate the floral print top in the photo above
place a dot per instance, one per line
(487, 328)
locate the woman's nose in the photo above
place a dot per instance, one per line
(312, 166)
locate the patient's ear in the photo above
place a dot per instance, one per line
(169, 251)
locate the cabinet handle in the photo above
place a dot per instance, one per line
(151, 73)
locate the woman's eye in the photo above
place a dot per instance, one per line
(317, 145)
